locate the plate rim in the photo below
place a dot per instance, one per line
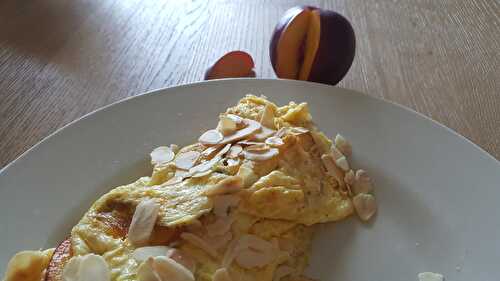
(215, 81)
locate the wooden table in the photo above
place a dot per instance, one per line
(62, 59)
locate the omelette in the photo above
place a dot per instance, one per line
(239, 204)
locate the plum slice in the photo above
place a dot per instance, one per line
(230, 65)
(61, 256)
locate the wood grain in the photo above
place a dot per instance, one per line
(62, 59)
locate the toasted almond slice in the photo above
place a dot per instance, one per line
(365, 205)
(219, 241)
(332, 169)
(235, 151)
(183, 259)
(169, 270)
(248, 258)
(161, 155)
(342, 163)
(223, 203)
(274, 141)
(201, 174)
(362, 182)
(205, 166)
(143, 253)
(200, 243)
(263, 134)
(282, 132)
(220, 226)
(299, 130)
(210, 152)
(143, 221)
(247, 174)
(230, 184)
(226, 125)
(187, 159)
(211, 137)
(248, 143)
(230, 253)
(87, 267)
(251, 128)
(256, 243)
(343, 145)
(272, 152)
(174, 180)
(282, 271)
(349, 177)
(238, 120)
(221, 274)
(28, 266)
(336, 153)
(145, 271)
(267, 118)
(232, 162)
(258, 148)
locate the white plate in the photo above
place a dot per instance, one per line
(438, 193)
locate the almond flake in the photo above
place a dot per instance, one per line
(87, 267)
(221, 226)
(183, 259)
(205, 166)
(232, 162)
(336, 153)
(267, 118)
(362, 182)
(342, 163)
(226, 126)
(236, 119)
(252, 251)
(343, 145)
(282, 271)
(174, 147)
(272, 152)
(282, 132)
(230, 184)
(252, 127)
(200, 243)
(143, 221)
(163, 269)
(332, 169)
(210, 152)
(299, 130)
(219, 241)
(223, 203)
(143, 253)
(274, 141)
(248, 143)
(187, 159)
(249, 258)
(263, 134)
(201, 174)
(221, 274)
(247, 174)
(365, 206)
(349, 177)
(258, 148)
(211, 137)
(161, 155)
(235, 151)
(174, 180)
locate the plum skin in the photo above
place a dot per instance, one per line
(336, 49)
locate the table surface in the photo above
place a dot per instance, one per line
(62, 59)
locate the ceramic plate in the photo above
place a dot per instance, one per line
(438, 193)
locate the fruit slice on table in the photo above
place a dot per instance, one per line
(230, 65)
(312, 44)
(61, 256)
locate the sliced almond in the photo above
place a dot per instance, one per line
(258, 148)
(169, 270)
(27, 266)
(211, 137)
(274, 141)
(332, 169)
(143, 221)
(251, 128)
(271, 153)
(249, 258)
(232, 162)
(362, 182)
(343, 145)
(228, 185)
(205, 166)
(248, 143)
(299, 130)
(247, 174)
(267, 118)
(342, 163)
(365, 205)
(174, 147)
(349, 177)
(200, 243)
(235, 151)
(238, 120)
(221, 226)
(336, 153)
(143, 253)
(282, 271)
(86, 267)
(210, 152)
(282, 132)
(223, 203)
(201, 174)
(187, 159)
(161, 155)
(183, 259)
(219, 241)
(221, 274)
(174, 180)
(230, 253)
(226, 126)
(263, 134)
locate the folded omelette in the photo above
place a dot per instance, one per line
(239, 204)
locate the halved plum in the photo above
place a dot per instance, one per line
(312, 44)
(230, 65)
